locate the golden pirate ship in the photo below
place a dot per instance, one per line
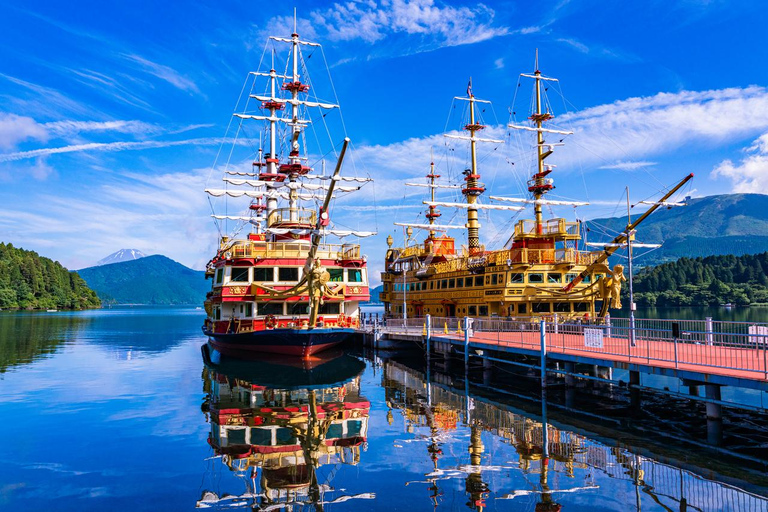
(544, 270)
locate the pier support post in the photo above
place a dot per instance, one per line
(634, 392)
(714, 415)
(714, 411)
(543, 330)
(429, 332)
(570, 367)
(466, 341)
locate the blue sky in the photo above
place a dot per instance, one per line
(112, 113)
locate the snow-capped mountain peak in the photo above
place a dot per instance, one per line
(121, 255)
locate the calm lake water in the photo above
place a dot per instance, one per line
(117, 410)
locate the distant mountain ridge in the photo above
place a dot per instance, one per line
(122, 255)
(155, 280)
(709, 226)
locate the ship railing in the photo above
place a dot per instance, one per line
(741, 347)
(527, 227)
(256, 249)
(292, 216)
(534, 256)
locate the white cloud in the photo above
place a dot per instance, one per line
(499, 63)
(751, 174)
(628, 166)
(15, 129)
(66, 128)
(372, 21)
(163, 72)
(111, 147)
(637, 128)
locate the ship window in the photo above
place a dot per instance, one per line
(598, 276)
(482, 311)
(554, 278)
(219, 275)
(354, 275)
(495, 279)
(239, 275)
(581, 307)
(299, 308)
(472, 310)
(460, 282)
(535, 278)
(522, 309)
(337, 274)
(284, 437)
(330, 308)
(540, 307)
(236, 436)
(263, 274)
(587, 279)
(562, 307)
(249, 309)
(515, 277)
(431, 285)
(445, 284)
(570, 277)
(217, 313)
(270, 308)
(451, 283)
(288, 274)
(478, 280)
(467, 282)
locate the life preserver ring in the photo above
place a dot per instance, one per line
(270, 322)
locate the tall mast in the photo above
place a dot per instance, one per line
(474, 188)
(540, 147)
(271, 159)
(293, 156)
(433, 212)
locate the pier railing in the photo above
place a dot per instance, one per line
(741, 347)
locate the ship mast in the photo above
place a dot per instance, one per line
(474, 188)
(433, 212)
(293, 156)
(538, 192)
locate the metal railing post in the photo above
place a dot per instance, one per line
(608, 325)
(543, 330)
(709, 330)
(555, 320)
(466, 341)
(675, 353)
(429, 332)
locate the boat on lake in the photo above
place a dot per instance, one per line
(278, 285)
(545, 268)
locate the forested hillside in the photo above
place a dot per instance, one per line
(704, 281)
(30, 281)
(708, 226)
(149, 280)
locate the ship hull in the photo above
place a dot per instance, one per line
(292, 342)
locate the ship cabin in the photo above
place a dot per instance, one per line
(527, 280)
(249, 271)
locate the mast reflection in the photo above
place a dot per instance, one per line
(277, 437)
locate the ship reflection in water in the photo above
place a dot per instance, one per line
(539, 465)
(275, 423)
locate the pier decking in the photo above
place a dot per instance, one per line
(706, 352)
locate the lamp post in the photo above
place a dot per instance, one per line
(408, 235)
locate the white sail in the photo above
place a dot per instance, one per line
(544, 130)
(236, 217)
(667, 204)
(286, 40)
(540, 77)
(337, 178)
(285, 184)
(552, 202)
(272, 194)
(476, 206)
(430, 185)
(464, 98)
(433, 227)
(611, 244)
(294, 102)
(323, 232)
(239, 173)
(474, 139)
(259, 73)
(286, 120)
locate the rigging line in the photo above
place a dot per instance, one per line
(333, 88)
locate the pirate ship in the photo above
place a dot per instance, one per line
(544, 270)
(278, 286)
